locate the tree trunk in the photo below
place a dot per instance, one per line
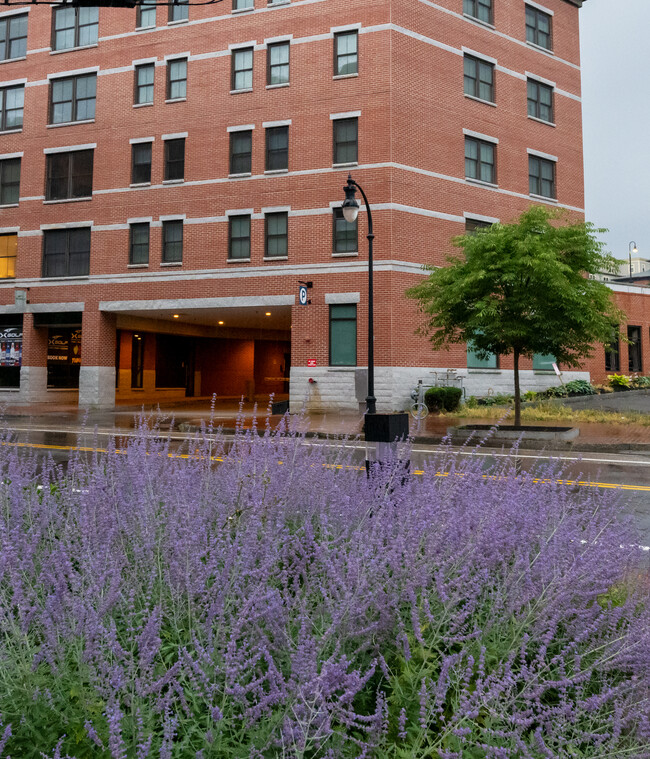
(517, 390)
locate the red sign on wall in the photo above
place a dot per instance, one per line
(311, 363)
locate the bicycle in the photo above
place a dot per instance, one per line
(419, 409)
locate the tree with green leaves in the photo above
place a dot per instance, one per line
(520, 289)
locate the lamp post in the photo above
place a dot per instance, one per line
(631, 249)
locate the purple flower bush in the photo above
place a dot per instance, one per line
(259, 598)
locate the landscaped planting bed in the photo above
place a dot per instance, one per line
(279, 604)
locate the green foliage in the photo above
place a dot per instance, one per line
(498, 399)
(443, 398)
(580, 387)
(640, 383)
(619, 380)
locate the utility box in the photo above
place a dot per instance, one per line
(386, 428)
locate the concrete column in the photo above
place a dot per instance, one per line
(97, 371)
(33, 371)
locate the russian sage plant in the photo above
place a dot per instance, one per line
(257, 597)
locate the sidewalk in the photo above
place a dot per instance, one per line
(188, 417)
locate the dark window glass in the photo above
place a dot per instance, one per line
(73, 98)
(277, 71)
(238, 5)
(144, 76)
(175, 159)
(69, 175)
(346, 235)
(538, 27)
(346, 53)
(480, 160)
(74, 27)
(635, 359)
(239, 237)
(137, 361)
(139, 243)
(473, 225)
(343, 335)
(276, 237)
(613, 353)
(146, 14)
(172, 241)
(480, 9)
(177, 79)
(13, 37)
(9, 181)
(8, 248)
(242, 69)
(179, 10)
(241, 149)
(541, 177)
(12, 102)
(141, 163)
(479, 78)
(277, 148)
(345, 140)
(540, 100)
(66, 252)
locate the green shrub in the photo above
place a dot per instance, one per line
(499, 399)
(580, 387)
(640, 382)
(443, 398)
(619, 380)
(555, 392)
(531, 395)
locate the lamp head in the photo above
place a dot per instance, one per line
(633, 248)
(350, 205)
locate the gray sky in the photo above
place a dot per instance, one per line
(616, 120)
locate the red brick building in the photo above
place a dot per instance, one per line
(168, 176)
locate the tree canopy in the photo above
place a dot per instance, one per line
(522, 288)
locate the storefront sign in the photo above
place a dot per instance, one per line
(11, 346)
(64, 346)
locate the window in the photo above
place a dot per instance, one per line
(74, 27)
(479, 78)
(141, 163)
(177, 79)
(172, 251)
(241, 150)
(241, 5)
(346, 140)
(612, 353)
(479, 9)
(635, 363)
(541, 177)
(239, 237)
(179, 10)
(277, 148)
(277, 71)
(12, 101)
(276, 235)
(346, 235)
(144, 76)
(146, 14)
(538, 27)
(66, 252)
(540, 101)
(346, 53)
(137, 361)
(9, 181)
(139, 243)
(543, 362)
(73, 99)
(242, 69)
(480, 160)
(8, 247)
(174, 159)
(473, 225)
(13, 37)
(343, 335)
(474, 362)
(69, 175)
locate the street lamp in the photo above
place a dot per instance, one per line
(631, 249)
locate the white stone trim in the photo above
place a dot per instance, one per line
(241, 301)
(6, 156)
(45, 308)
(480, 136)
(345, 115)
(74, 72)
(66, 225)
(539, 154)
(241, 128)
(347, 28)
(13, 82)
(240, 212)
(340, 298)
(475, 54)
(271, 124)
(138, 141)
(140, 220)
(281, 38)
(537, 78)
(70, 148)
(276, 209)
(176, 56)
(240, 45)
(16, 12)
(173, 217)
(144, 61)
(178, 136)
(539, 7)
(479, 217)
(9, 230)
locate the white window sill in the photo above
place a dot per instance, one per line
(171, 263)
(10, 205)
(240, 176)
(480, 182)
(178, 21)
(236, 92)
(545, 372)
(10, 390)
(541, 121)
(12, 131)
(173, 181)
(543, 197)
(140, 185)
(345, 254)
(243, 10)
(72, 49)
(141, 105)
(70, 123)
(144, 28)
(486, 24)
(345, 76)
(277, 86)
(11, 60)
(483, 371)
(271, 172)
(67, 200)
(480, 100)
(137, 266)
(275, 258)
(63, 278)
(535, 46)
(238, 260)
(175, 100)
(344, 165)
(279, 2)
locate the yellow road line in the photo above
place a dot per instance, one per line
(420, 472)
